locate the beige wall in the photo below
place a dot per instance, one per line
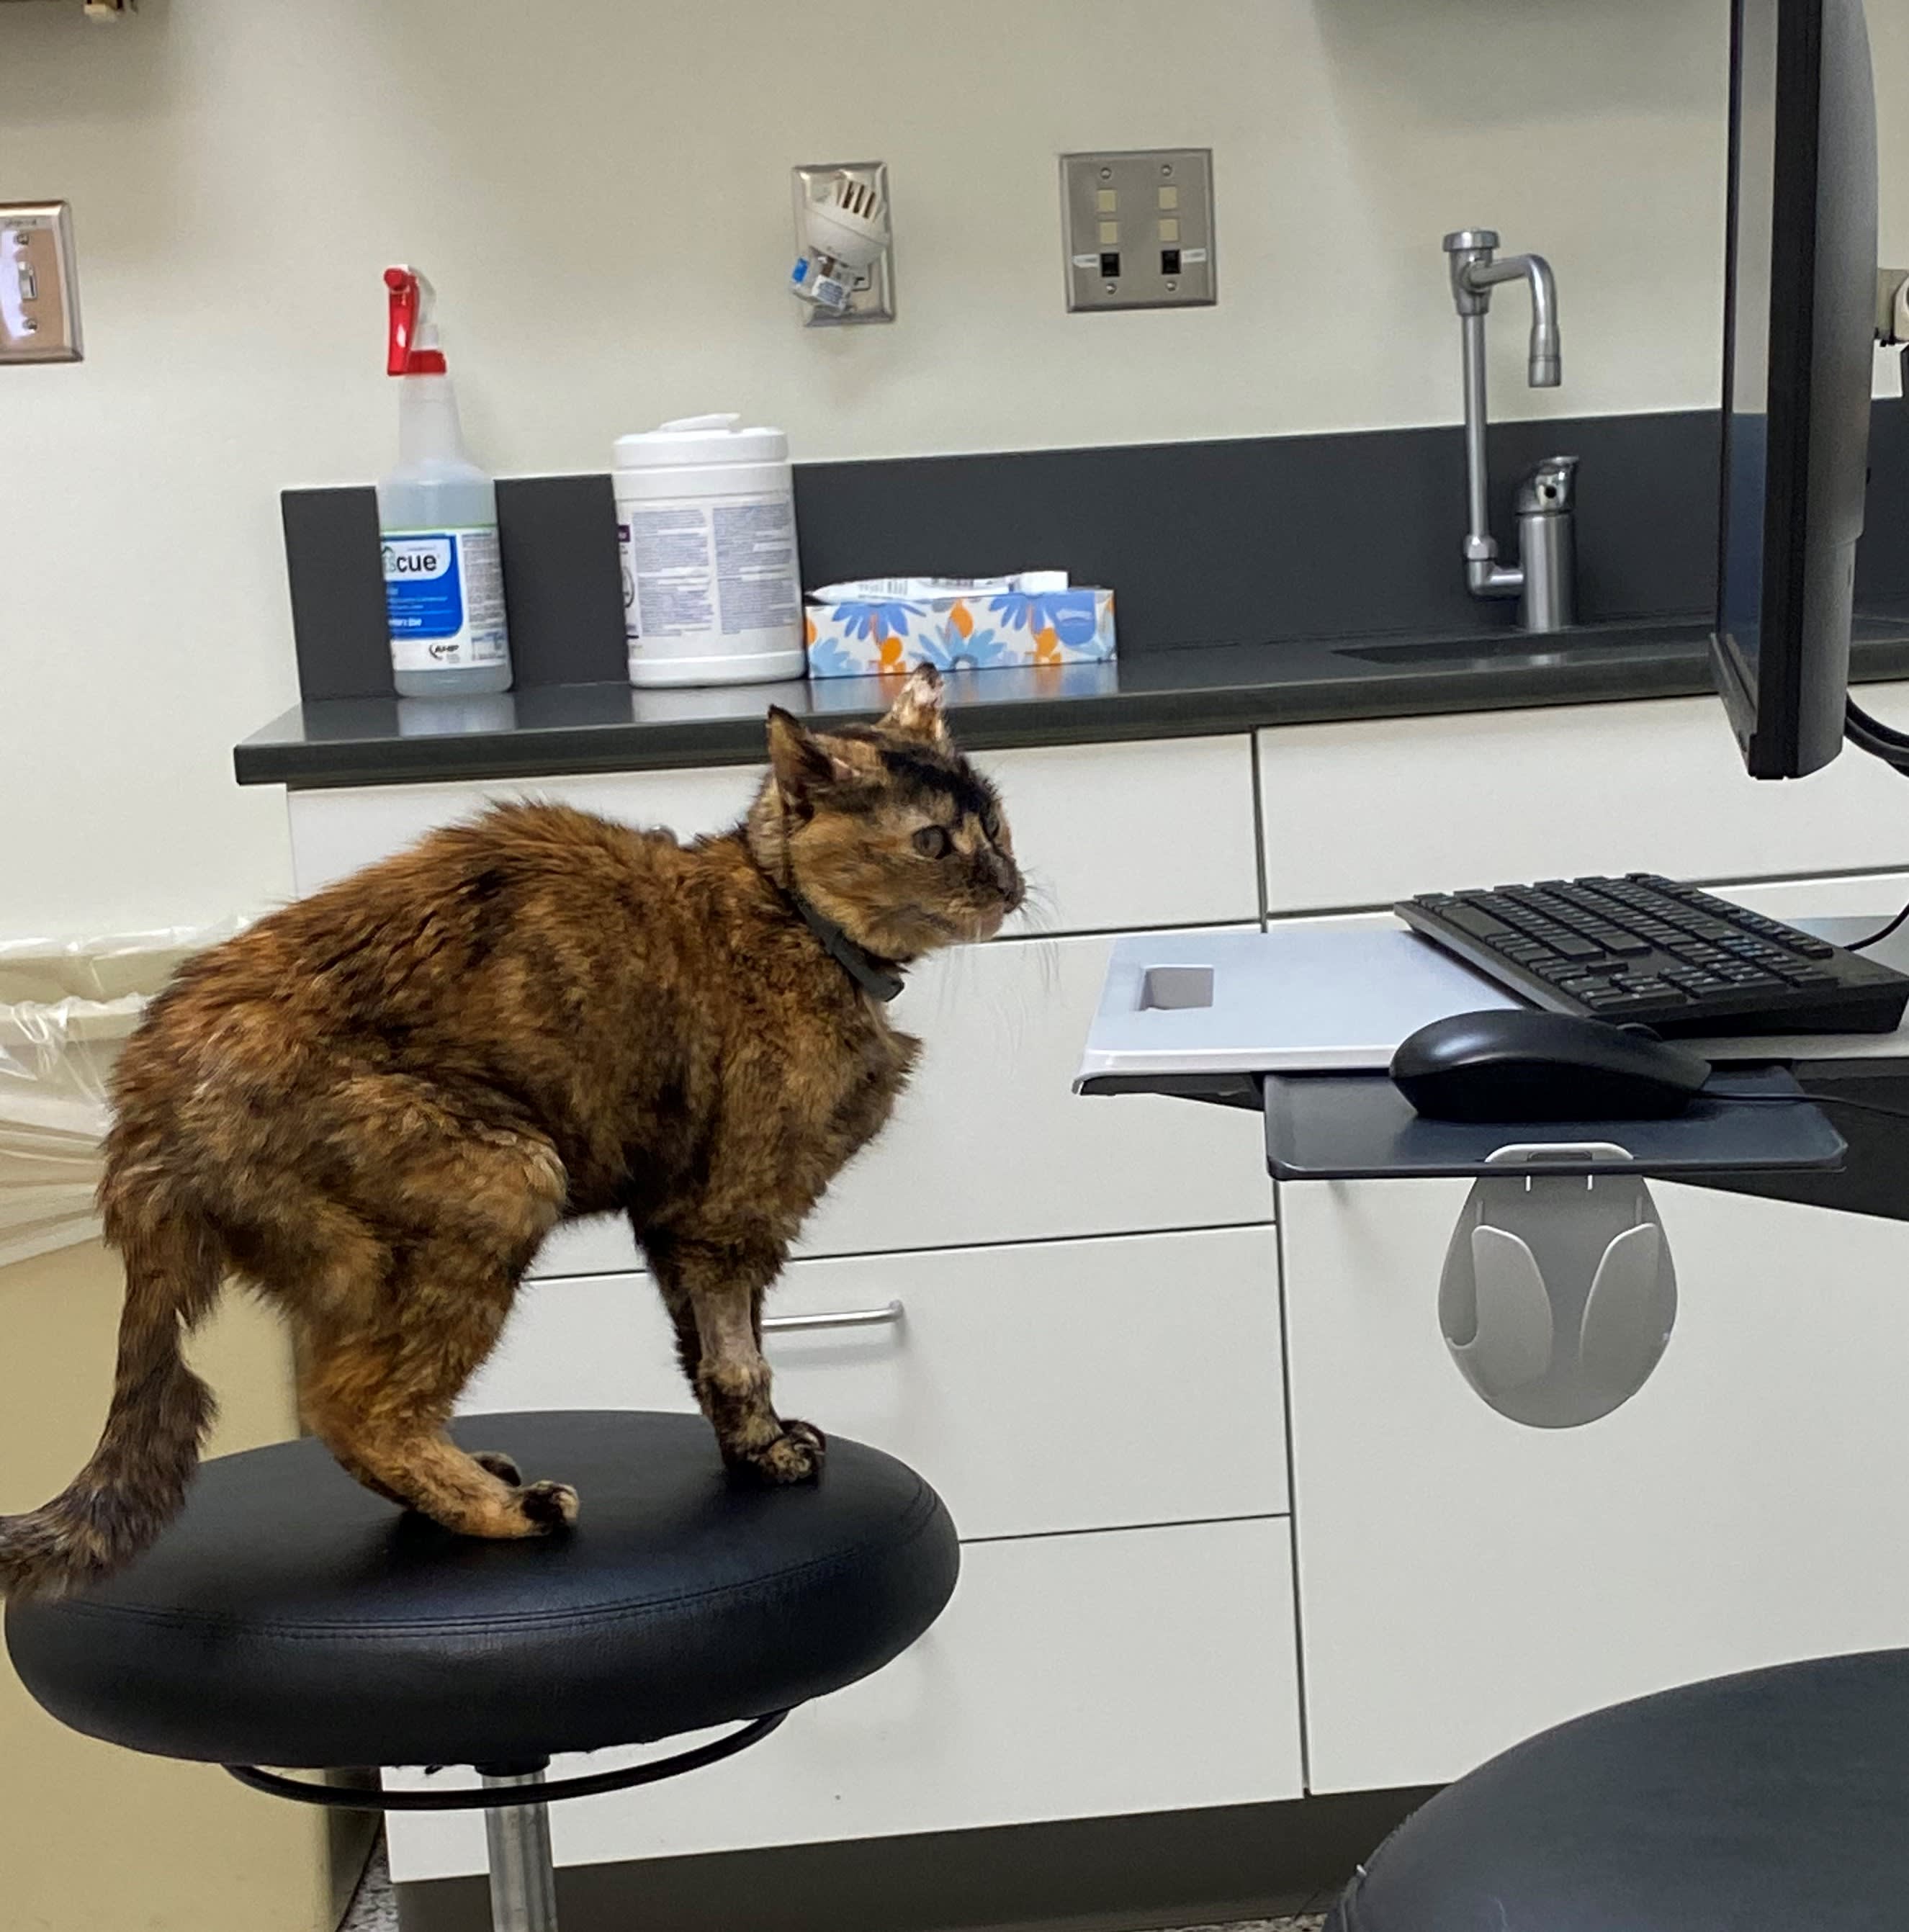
(600, 190)
(93, 1839)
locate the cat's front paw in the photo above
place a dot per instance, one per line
(796, 1455)
(548, 1506)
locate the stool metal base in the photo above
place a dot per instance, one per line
(523, 1872)
(517, 1834)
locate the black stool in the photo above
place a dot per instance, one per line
(1775, 1801)
(290, 1619)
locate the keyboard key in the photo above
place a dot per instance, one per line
(1573, 948)
(1479, 925)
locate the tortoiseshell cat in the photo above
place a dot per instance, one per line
(373, 1106)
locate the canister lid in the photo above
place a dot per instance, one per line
(692, 441)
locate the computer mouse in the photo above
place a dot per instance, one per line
(1521, 1064)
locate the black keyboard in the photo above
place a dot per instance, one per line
(1642, 949)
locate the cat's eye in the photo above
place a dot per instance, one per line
(991, 825)
(932, 841)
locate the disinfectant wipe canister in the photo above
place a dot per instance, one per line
(437, 523)
(712, 589)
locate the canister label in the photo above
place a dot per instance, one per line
(706, 573)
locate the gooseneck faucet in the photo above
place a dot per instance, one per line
(1542, 578)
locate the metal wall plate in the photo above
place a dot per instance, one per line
(39, 283)
(1137, 229)
(816, 182)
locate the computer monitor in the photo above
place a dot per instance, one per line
(1799, 342)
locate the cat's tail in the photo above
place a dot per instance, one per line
(137, 1480)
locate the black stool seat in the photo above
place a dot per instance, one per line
(1774, 1802)
(289, 1618)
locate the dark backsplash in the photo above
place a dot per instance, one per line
(1257, 539)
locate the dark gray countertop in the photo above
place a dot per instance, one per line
(1180, 693)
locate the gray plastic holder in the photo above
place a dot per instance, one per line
(1559, 1293)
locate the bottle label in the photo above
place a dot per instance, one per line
(701, 573)
(444, 598)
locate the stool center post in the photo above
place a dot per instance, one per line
(523, 1873)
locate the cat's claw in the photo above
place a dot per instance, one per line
(796, 1455)
(551, 1506)
(499, 1465)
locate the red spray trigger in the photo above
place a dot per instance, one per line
(411, 347)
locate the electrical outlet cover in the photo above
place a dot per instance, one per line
(874, 301)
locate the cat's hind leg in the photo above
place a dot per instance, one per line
(379, 1397)
(382, 1365)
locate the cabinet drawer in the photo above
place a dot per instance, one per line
(991, 1144)
(334, 832)
(1071, 1677)
(1156, 833)
(1363, 813)
(1066, 1385)
(1467, 1582)
(1147, 834)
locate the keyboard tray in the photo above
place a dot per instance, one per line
(1358, 1127)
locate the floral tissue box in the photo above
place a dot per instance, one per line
(974, 632)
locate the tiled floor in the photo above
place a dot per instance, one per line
(374, 1910)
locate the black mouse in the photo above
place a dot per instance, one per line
(1521, 1064)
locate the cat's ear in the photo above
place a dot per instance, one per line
(918, 709)
(803, 763)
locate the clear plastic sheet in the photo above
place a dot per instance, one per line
(66, 1009)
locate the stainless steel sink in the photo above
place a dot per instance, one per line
(1522, 647)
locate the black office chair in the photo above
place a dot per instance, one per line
(1774, 1802)
(291, 1619)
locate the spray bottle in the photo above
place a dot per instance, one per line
(437, 521)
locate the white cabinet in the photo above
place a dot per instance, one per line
(1366, 812)
(990, 1143)
(1062, 1385)
(1154, 833)
(1071, 1677)
(1465, 1581)
(1089, 1362)
(1158, 833)
(336, 832)
(1869, 896)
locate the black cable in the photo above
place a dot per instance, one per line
(1857, 945)
(1809, 1100)
(1871, 735)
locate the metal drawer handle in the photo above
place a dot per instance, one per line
(847, 1318)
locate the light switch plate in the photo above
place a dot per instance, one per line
(39, 285)
(1137, 229)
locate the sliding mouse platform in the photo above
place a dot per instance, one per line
(1300, 1022)
(1327, 996)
